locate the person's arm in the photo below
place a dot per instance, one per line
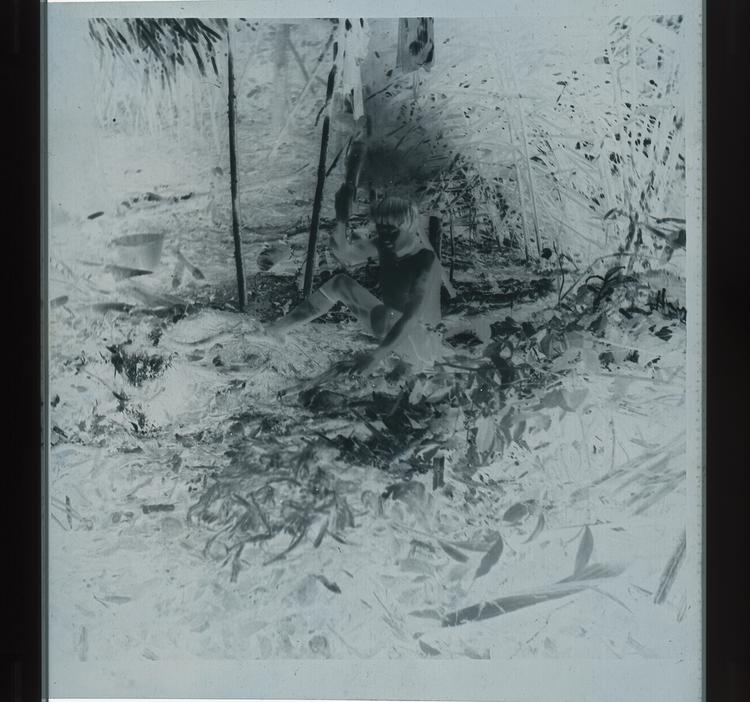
(348, 253)
(351, 253)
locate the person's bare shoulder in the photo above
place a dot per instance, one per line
(425, 259)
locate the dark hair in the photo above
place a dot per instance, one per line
(395, 211)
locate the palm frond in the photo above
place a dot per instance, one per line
(166, 43)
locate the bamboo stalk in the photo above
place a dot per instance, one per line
(231, 115)
(453, 247)
(524, 142)
(312, 241)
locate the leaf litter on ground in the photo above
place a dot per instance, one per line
(286, 496)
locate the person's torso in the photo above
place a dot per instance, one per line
(398, 277)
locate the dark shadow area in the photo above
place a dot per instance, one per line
(727, 484)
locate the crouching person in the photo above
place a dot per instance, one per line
(404, 320)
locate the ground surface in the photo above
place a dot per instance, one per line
(205, 502)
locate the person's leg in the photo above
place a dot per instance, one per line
(341, 288)
(382, 318)
(316, 305)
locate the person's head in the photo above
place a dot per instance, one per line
(395, 219)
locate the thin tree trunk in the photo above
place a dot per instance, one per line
(453, 247)
(231, 114)
(312, 242)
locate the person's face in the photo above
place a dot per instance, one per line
(393, 238)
